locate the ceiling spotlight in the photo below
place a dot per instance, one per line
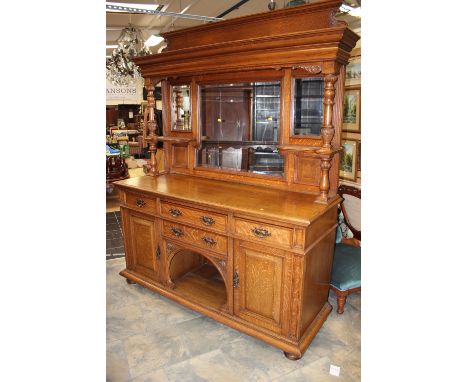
(154, 40)
(356, 12)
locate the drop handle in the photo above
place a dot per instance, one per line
(158, 253)
(177, 232)
(175, 212)
(140, 202)
(235, 280)
(206, 220)
(208, 240)
(261, 232)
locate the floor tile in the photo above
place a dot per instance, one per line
(214, 366)
(152, 351)
(151, 338)
(268, 359)
(116, 363)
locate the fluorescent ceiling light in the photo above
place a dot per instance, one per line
(148, 7)
(111, 46)
(356, 12)
(154, 40)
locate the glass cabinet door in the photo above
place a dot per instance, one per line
(308, 106)
(240, 127)
(180, 108)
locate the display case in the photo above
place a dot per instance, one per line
(240, 224)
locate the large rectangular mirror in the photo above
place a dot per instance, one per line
(240, 127)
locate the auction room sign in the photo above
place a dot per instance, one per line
(129, 94)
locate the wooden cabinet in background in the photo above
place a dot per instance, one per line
(240, 224)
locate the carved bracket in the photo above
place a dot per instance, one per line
(313, 69)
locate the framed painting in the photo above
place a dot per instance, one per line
(348, 159)
(352, 110)
(359, 156)
(353, 71)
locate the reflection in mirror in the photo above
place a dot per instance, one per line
(240, 127)
(308, 105)
(181, 108)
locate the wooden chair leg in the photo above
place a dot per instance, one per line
(341, 301)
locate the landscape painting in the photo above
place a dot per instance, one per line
(351, 110)
(348, 159)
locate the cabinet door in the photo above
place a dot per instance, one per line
(142, 250)
(261, 285)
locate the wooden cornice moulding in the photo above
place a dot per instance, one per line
(307, 17)
(279, 51)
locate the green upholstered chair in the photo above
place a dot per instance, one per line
(346, 274)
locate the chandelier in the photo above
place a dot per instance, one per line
(120, 68)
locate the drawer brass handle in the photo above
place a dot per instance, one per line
(208, 240)
(175, 212)
(260, 232)
(140, 202)
(176, 231)
(206, 220)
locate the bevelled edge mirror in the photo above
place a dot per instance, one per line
(180, 108)
(240, 127)
(308, 106)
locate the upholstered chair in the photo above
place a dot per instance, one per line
(346, 274)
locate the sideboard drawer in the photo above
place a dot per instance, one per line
(141, 202)
(204, 219)
(197, 237)
(262, 232)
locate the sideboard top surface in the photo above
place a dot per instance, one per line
(288, 206)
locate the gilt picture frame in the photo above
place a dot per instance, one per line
(353, 71)
(348, 159)
(352, 110)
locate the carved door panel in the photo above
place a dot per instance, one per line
(142, 249)
(261, 279)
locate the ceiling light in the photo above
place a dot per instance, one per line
(120, 6)
(110, 7)
(121, 70)
(154, 40)
(356, 12)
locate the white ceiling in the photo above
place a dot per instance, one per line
(154, 24)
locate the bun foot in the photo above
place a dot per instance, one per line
(130, 281)
(291, 356)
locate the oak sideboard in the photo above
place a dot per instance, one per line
(240, 224)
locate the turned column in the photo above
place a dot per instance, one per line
(151, 137)
(326, 151)
(328, 131)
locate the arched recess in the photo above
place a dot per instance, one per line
(200, 277)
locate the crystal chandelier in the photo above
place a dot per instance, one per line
(120, 68)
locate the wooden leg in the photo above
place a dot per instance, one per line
(130, 281)
(341, 301)
(292, 357)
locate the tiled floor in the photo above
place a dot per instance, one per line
(151, 338)
(114, 239)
